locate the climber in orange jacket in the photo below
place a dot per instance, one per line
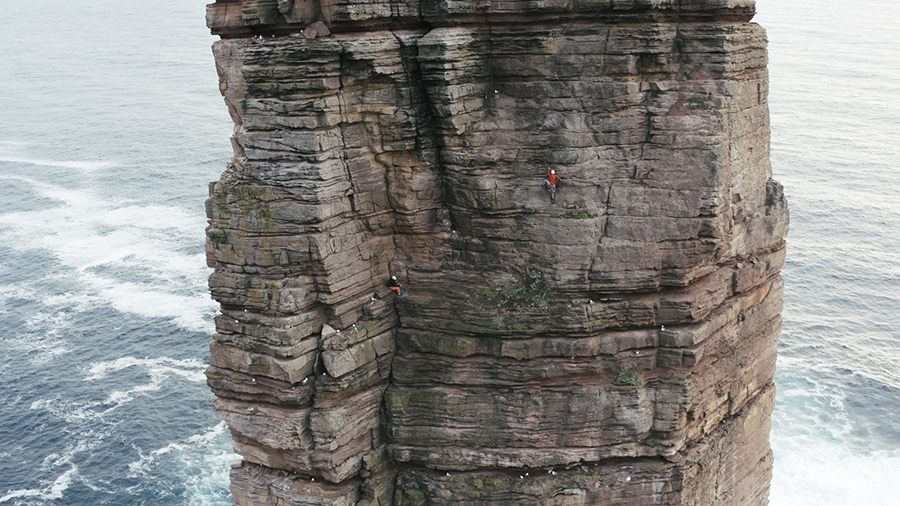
(553, 178)
(550, 183)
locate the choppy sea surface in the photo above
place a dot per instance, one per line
(835, 110)
(111, 125)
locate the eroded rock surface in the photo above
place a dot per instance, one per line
(614, 347)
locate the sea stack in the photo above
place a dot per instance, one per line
(616, 346)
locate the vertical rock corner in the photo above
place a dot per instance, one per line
(616, 346)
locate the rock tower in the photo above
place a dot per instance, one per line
(616, 346)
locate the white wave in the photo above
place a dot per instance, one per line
(819, 458)
(207, 480)
(193, 442)
(811, 404)
(106, 245)
(17, 291)
(204, 439)
(50, 492)
(41, 339)
(85, 166)
(204, 462)
(149, 217)
(820, 473)
(88, 232)
(190, 369)
(190, 312)
(72, 412)
(210, 484)
(90, 427)
(159, 370)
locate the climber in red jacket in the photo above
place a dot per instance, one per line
(550, 183)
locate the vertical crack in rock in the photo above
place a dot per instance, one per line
(615, 346)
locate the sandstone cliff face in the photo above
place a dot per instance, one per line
(614, 347)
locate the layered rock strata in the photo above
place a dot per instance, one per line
(614, 347)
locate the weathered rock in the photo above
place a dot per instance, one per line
(616, 346)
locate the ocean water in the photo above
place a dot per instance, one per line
(111, 125)
(835, 112)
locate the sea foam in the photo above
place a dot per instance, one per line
(158, 369)
(823, 473)
(86, 166)
(51, 492)
(109, 244)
